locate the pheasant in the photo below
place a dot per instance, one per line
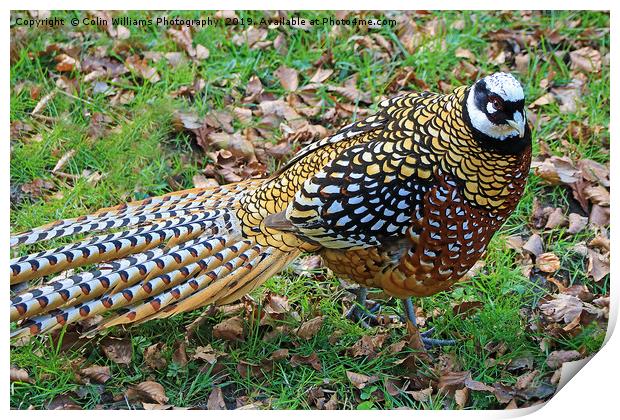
(405, 200)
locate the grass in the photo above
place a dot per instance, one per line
(142, 156)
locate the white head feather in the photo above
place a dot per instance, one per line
(508, 89)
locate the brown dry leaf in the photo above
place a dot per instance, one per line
(19, 375)
(570, 94)
(350, 91)
(225, 14)
(597, 195)
(558, 357)
(63, 160)
(422, 395)
(63, 402)
(465, 53)
(216, 399)
(321, 75)
(556, 170)
(186, 121)
(230, 329)
(522, 63)
(563, 308)
(594, 171)
(254, 37)
(586, 59)
(151, 406)
(548, 262)
(148, 391)
(201, 181)
(368, 345)
(289, 78)
(359, 380)
(98, 374)
(525, 380)
(545, 99)
(466, 308)
(599, 215)
(139, 67)
(276, 304)
(461, 396)
(153, 357)
(598, 265)
(37, 187)
(202, 52)
(117, 350)
(206, 353)
(179, 356)
(42, 104)
(279, 354)
(183, 38)
(235, 143)
(311, 360)
(308, 329)
(66, 63)
(556, 219)
(534, 245)
(576, 223)
(253, 89)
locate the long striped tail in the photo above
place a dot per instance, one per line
(176, 253)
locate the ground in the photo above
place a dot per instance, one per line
(106, 114)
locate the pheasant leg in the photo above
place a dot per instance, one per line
(359, 312)
(412, 326)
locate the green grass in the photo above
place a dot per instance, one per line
(141, 155)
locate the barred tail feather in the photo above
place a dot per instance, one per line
(163, 266)
(126, 215)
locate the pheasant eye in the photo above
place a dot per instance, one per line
(496, 102)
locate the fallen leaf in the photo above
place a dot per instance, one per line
(179, 356)
(525, 380)
(534, 245)
(66, 63)
(153, 357)
(216, 399)
(597, 195)
(558, 357)
(19, 375)
(230, 329)
(37, 187)
(556, 170)
(148, 391)
(576, 223)
(201, 181)
(117, 350)
(461, 396)
(276, 304)
(98, 374)
(289, 78)
(563, 308)
(42, 104)
(308, 329)
(556, 219)
(368, 345)
(360, 380)
(63, 160)
(311, 360)
(279, 354)
(586, 59)
(139, 67)
(548, 262)
(321, 75)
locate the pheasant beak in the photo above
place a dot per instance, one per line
(518, 123)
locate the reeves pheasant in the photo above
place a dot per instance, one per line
(405, 200)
